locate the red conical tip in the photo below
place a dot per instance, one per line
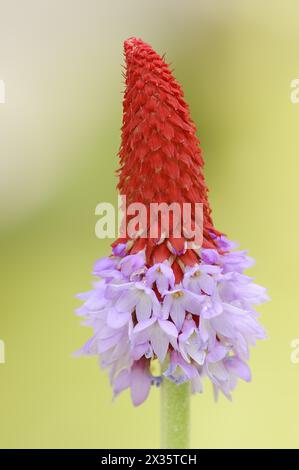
(160, 157)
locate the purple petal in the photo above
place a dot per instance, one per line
(178, 314)
(140, 384)
(144, 308)
(179, 371)
(127, 301)
(114, 290)
(218, 370)
(84, 295)
(209, 269)
(131, 263)
(217, 353)
(121, 382)
(156, 306)
(207, 284)
(105, 344)
(187, 330)
(205, 329)
(211, 308)
(238, 368)
(169, 328)
(189, 369)
(143, 325)
(224, 326)
(210, 256)
(198, 356)
(162, 284)
(196, 384)
(151, 275)
(117, 319)
(103, 264)
(140, 350)
(81, 311)
(167, 303)
(192, 302)
(160, 342)
(89, 348)
(168, 273)
(96, 301)
(225, 244)
(120, 249)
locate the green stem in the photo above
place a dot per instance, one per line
(175, 415)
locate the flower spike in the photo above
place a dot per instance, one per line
(164, 297)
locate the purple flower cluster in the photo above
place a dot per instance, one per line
(202, 326)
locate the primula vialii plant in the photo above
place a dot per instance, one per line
(166, 310)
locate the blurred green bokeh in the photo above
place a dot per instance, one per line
(60, 133)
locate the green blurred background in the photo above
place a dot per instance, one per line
(59, 136)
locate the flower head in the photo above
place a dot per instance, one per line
(164, 298)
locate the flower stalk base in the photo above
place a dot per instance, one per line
(175, 415)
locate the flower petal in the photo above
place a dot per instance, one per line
(238, 368)
(162, 283)
(207, 284)
(160, 342)
(143, 308)
(217, 353)
(224, 326)
(178, 314)
(192, 302)
(168, 327)
(167, 303)
(140, 350)
(140, 384)
(127, 301)
(121, 382)
(117, 319)
(144, 325)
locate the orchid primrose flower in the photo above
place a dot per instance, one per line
(190, 307)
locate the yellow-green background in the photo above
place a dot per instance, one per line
(59, 136)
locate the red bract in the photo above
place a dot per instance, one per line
(160, 157)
